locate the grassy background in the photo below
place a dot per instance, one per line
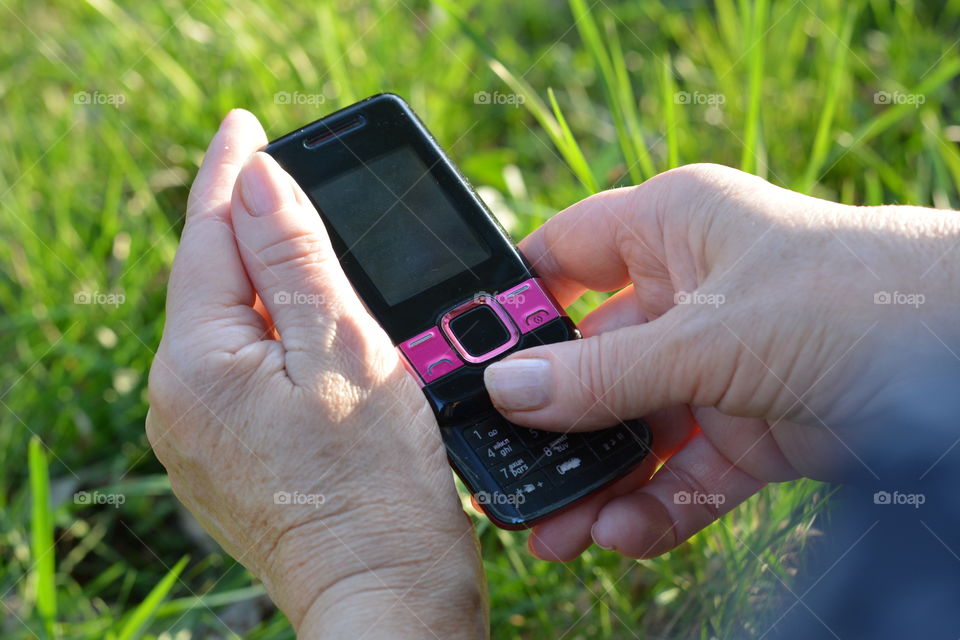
(93, 195)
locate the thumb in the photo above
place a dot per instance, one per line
(288, 256)
(595, 382)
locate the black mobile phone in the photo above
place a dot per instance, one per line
(454, 294)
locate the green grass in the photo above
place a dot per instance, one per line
(93, 194)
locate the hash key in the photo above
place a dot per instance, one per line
(612, 442)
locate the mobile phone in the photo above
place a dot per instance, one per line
(452, 291)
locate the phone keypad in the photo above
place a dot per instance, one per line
(530, 462)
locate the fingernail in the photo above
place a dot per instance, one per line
(263, 189)
(521, 384)
(600, 536)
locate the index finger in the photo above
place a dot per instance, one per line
(208, 280)
(582, 247)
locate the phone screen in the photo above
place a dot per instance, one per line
(396, 220)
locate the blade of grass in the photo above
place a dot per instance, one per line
(41, 541)
(209, 601)
(569, 147)
(531, 101)
(668, 89)
(751, 135)
(628, 108)
(838, 73)
(334, 55)
(946, 71)
(136, 623)
(617, 90)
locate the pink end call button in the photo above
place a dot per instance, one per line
(431, 355)
(529, 305)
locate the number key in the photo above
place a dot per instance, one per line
(484, 433)
(499, 450)
(513, 470)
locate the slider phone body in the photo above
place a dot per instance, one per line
(454, 294)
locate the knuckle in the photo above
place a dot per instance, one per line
(693, 188)
(694, 373)
(692, 484)
(153, 428)
(700, 175)
(182, 387)
(166, 395)
(164, 387)
(597, 386)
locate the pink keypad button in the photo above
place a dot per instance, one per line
(528, 305)
(430, 355)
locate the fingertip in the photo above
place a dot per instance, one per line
(562, 549)
(263, 187)
(535, 249)
(601, 537)
(241, 118)
(533, 547)
(636, 525)
(541, 388)
(238, 136)
(569, 266)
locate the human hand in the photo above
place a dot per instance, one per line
(288, 425)
(761, 316)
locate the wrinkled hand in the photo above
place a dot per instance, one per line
(289, 427)
(763, 317)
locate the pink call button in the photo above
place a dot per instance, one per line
(430, 355)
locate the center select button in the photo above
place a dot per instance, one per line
(479, 331)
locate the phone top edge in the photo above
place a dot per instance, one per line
(385, 96)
